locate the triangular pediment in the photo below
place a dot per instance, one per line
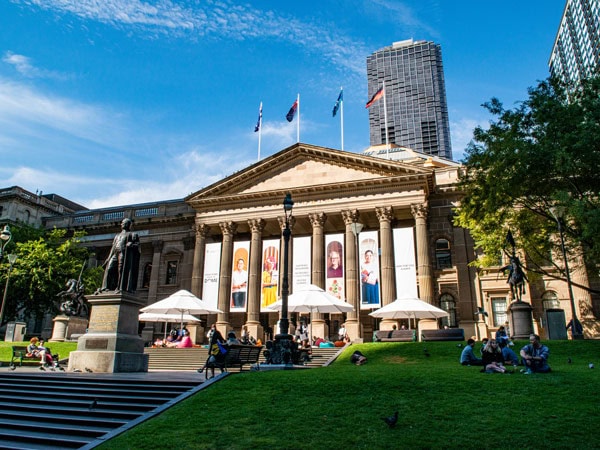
(303, 168)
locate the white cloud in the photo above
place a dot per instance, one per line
(24, 66)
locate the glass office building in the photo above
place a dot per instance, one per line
(576, 51)
(417, 112)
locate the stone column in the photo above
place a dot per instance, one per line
(228, 229)
(281, 221)
(198, 268)
(187, 263)
(424, 271)
(255, 278)
(388, 292)
(319, 326)
(353, 326)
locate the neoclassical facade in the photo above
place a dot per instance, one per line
(394, 205)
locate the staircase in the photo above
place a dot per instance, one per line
(194, 358)
(60, 411)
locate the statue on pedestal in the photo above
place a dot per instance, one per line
(73, 300)
(122, 264)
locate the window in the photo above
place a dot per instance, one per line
(448, 304)
(550, 300)
(499, 314)
(146, 276)
(172, 272)
(442, 254)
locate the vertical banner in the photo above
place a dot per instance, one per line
(334, 257)
(239, 276)
(302, 263)
(212, 264)
(406, 268)
(368, 245)
(270, 273)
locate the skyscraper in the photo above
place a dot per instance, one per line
(415, 94)
(576, 51)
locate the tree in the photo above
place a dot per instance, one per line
(43, 267)
(541, 157)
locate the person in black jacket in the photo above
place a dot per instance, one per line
(493, 361)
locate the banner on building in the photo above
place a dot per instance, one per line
(302, 263)
(212, 264)
(406, 267)
(270, 273)
(368, 254)
(239, 276)
(334, 259)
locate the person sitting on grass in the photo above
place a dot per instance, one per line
(467, 357)
(358, 358)
(492, 358)
(535, 356)
(509, 356)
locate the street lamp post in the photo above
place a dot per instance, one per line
(283, 350)
(5, 237)
(11, 259)
(575, 329)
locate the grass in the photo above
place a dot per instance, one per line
(441, 405)
(62, 348)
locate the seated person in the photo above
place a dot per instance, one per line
(186, 340)
(467, 357)
(317, 341)
(492, 358)
(510, 357)
(501, 336)
(231, 339)
(535, 356)
(358, 358)
(484, 342)
(35, 351)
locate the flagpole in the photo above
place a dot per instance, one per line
(342, 115)
(259, 129)
(387, 143)
(298, 124)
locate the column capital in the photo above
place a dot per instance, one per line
(350, 216)
(201, 230)
(384, 213)
(317, 219)
(281, 220)
(256, 225)
(228, 228)
(419, 210)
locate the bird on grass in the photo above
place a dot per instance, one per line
(88, 370)
(569, 361)
(426, 353)
(391, 420)
(93, 404)
(459, 345)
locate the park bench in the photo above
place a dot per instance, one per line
(238, 355)
(19, 353)
(395, 336)
(450, 334)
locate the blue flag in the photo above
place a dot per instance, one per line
(292, 112)
(257, 127)
(340, 99)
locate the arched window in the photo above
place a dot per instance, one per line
(443, 256)
(448, 304)
(550, 300)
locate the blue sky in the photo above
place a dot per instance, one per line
(116, 102)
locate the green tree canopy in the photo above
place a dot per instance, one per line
(534, 162)
(43, 266)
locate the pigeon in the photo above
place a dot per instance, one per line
(391, 420)
(459, 345)
(61, 368)
(42, 368)
(88, 370)
(77, 370)
(569, 361)
(591, 365)
(13, 367)
(426, 353)
(94, 404)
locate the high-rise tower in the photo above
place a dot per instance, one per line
(576, 51)
(417, 112)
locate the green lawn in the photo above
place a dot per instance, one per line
(441, 405)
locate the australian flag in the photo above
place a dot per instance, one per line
(292, 112)
(340, 99)
(257, 127)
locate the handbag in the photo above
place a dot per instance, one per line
(222, 348)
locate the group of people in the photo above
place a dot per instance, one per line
(177, 338)
(496, 355)
(37, 349)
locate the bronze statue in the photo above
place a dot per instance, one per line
(121, 272)
(73, 303)
(516, 277)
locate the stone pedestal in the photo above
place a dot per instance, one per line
(521, 320)
(111, 343)
(67, 326)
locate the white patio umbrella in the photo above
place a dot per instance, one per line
(311, 298)
(181, 302)
(409, 308)
(167, 318)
